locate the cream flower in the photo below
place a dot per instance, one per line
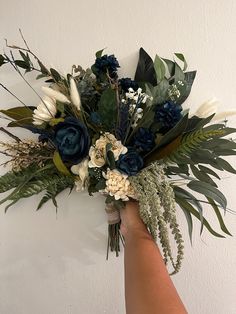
(46, 110)
(97, 152)
(118, 185)
(81, 170)
(52, 93)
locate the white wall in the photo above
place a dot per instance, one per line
(55, 264)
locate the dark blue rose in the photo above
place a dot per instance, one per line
(126, 83)
(72, 140)
(106, 63)
(130, 163)
(167, 114)
(143, 140)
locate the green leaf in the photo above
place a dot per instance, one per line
(111, 160)
(225, 165)
(183, 194)
(202, 176)
(25, 57)
(22, 64)
(18, 113)
(99, 53)
(159, 67)
(209, 171)
(55, 75)
(100, 185)
(181, 57)
(209, 191)
(188, 82)
(43, 69)
(184, 204)
(170, 65)
(2, 60)
(170, 136)
(179, 74)
(219, 216)
(12, 179)
(107, 109)
(145, 71)
(61, 167)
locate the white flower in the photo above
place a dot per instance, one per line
(208, 108)
(74, 94)
(46, 110)
(118, 185)
(58, 96)
(97, 153)
(81, 170)
(136, 96)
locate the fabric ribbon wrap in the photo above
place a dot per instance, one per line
(113, 214)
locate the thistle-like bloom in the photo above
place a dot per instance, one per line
(46, 110)
(118, 185)
(74, 94)
(58, 96)
(167, 114)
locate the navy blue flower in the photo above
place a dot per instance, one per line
(168, 114)
(106, 63)
(72, 140)
(130, 163)
(126, 83)
(143, 140)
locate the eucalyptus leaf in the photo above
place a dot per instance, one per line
(219, 216)
(181, 57)
(209, 191)
(170, 65)
(159, 67)
(184, 204)
(225, 165)
(209, 171)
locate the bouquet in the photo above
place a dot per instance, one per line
(124, 138)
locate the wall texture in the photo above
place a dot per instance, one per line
(55, 264)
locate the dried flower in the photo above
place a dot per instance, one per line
(74, 94)
(26, 152)
(118, 185)
(56, 95)
(46, 110)
(208, 108)
(81, 170)
(97, 153)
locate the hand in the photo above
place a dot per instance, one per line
(130, 219)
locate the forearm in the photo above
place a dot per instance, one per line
(148, 287)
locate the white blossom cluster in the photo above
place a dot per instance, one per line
(135, 99)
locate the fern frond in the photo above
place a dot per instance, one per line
(12, 179)
(50, 183)
(191, 142)
(54, 190)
